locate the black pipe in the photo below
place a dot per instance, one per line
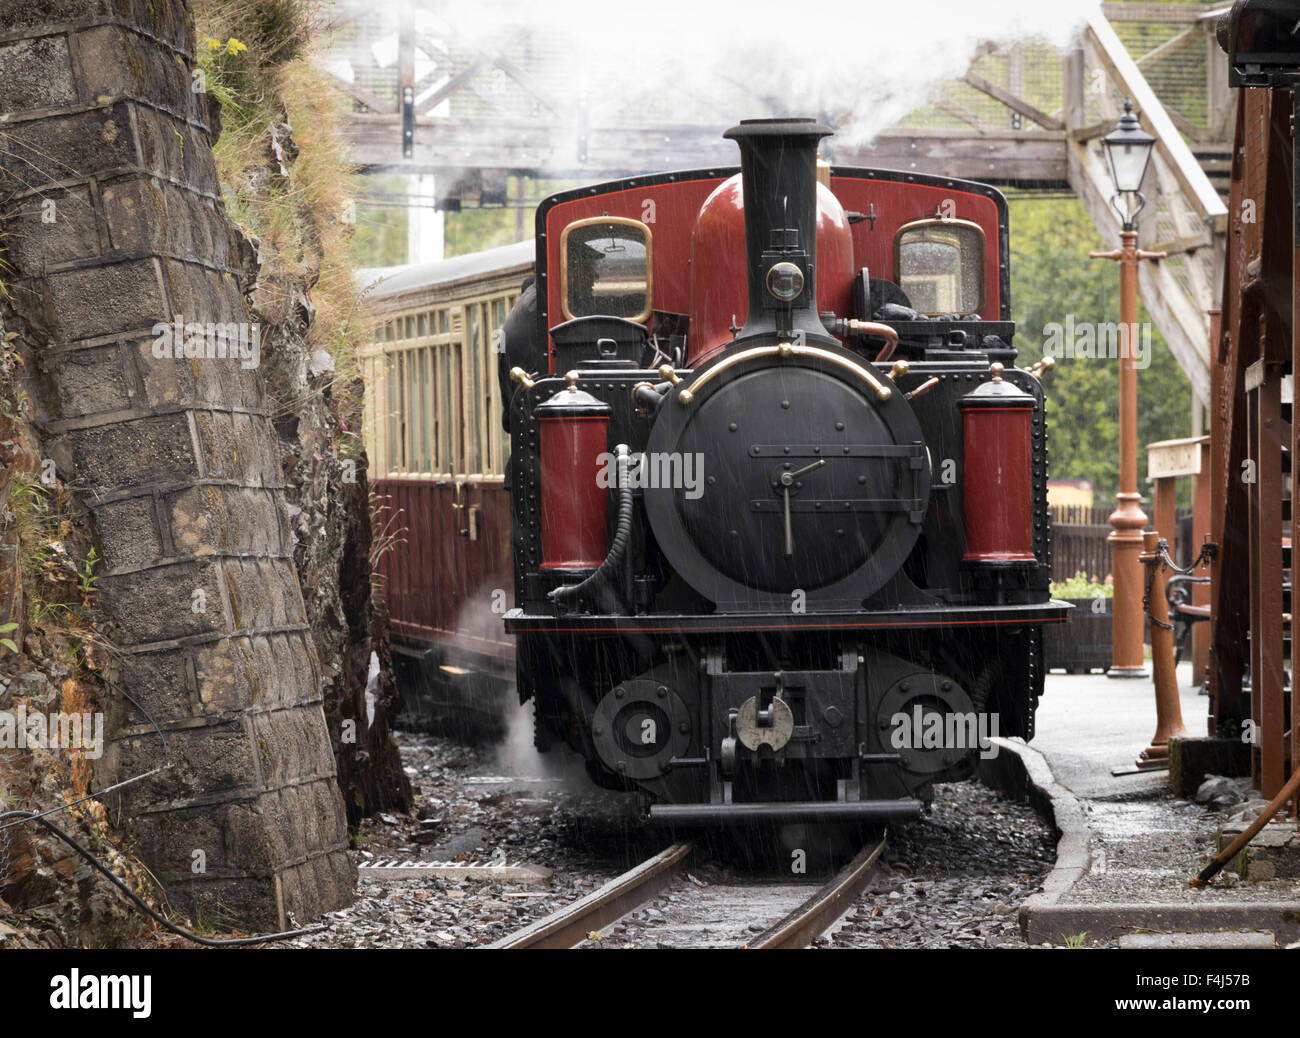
(648, 397)
(778, 174)
(793, 811)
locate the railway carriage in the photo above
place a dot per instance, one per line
(437, 452)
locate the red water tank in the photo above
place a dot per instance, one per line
(719, 290)
(574, 429)
(998, 477)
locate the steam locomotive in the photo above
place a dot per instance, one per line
(792, 566)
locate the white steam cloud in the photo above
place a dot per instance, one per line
(863, 64)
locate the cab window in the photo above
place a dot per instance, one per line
(939, 264)
(605, 264)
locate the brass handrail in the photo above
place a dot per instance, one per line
(786, 349)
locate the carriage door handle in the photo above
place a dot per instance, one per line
(458, 505)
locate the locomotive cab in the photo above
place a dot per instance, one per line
(794, 391)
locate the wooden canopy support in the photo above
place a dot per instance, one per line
(1013, 102)
(548, 150)
(1250, 429)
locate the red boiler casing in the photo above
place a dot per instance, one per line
(574, 431)
(998, 482)
(719, 289)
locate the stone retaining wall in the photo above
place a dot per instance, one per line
(114, 224)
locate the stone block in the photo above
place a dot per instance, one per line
(1274, 853)
(128, 533)
(56, 226)
(263, 593)
(212, 763)
(174, 149)
(169, 20)
(96, 301)
(90, 143)
(237, 447)
(294, 744)
(168, 382)
(1191, 760)
(16, 15)
(198, 165)
(228, 384)
(93, 381)
(247, 902)
(36, 74)
(228, 520)
(317, 882)
(265, 672)
(137, 214)
(158, 604)
(133, 454)
(147, 214)
(159, 682)
(116, 62)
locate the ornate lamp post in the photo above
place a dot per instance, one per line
(1128, 151)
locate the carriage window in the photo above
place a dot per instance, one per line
(474, 401)
(940, 265)
(394, 403)
(605, 265)
(425, 399)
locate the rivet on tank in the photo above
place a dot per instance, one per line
(574, 430)
(997, 432)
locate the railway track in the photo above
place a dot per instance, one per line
(704, 909)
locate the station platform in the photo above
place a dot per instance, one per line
(1128, 846)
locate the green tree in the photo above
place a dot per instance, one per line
(473, 229)
(381, 229)
(1052, 278)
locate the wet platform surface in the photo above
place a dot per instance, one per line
(1143, 843)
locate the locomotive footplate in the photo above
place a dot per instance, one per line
(519, 622)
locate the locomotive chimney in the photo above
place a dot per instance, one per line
(778, 166)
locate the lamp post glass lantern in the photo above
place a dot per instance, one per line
(1128, 151)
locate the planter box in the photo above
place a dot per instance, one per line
(1082, 643)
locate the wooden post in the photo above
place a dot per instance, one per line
(1169, 711)
(1264, 391)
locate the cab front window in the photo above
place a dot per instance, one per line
(939, 264)
(605, 264)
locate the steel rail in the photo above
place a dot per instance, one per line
(571, 924)
(816, 915)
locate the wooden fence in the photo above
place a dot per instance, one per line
(1079, 542)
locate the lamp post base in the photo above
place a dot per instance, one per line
(1127, 672)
